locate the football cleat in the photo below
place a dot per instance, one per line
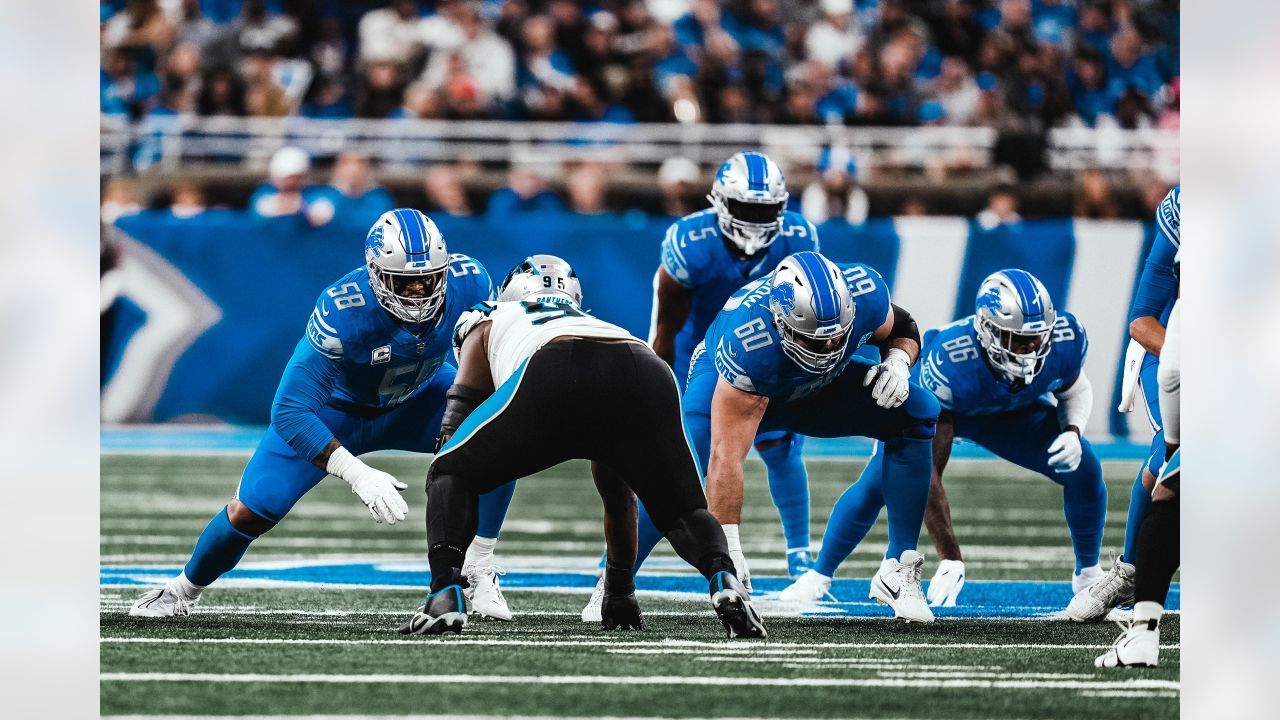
(810, 587)
(798, 563)
(168, 601)
(1137, 646)
(440, 612)
(897, 584)
(1083, 579)
(1114, 589)
(732, 604)
(484, 593)
(621, 612)
(591, 613)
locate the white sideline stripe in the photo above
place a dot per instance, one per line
(429, 717)
(666, 644)
(1130, 684)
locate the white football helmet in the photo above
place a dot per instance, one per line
(1014, 318)
(749, 196)
(408, 265)
(812, 309)
(541, 275)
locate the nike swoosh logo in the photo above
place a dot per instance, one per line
(324, 311)
(892, 592)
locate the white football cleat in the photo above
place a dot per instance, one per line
(811, 587)
(484, 594)
(897, 584)
(1115, 588)
(1085, 578)
(168, 601)
(1137, 646)
(591, 613)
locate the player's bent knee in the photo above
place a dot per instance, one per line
(922, 406)
(246, 520)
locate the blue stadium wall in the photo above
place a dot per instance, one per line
(210, 308)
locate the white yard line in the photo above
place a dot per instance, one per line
(650, 680)
(608, 643)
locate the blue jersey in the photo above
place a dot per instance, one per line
(953, 366)
(694, 253)
(747, 351)
(356, 357)
(1158, 286)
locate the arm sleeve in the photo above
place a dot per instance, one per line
(1075, 404)
(1159, 285)
(307, 384)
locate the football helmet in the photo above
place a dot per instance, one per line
(749, 196)
(1014, 318)
(408, 265)
(541, 275)
(812, 309)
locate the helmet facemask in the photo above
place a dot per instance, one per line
(815, 353)
(750, 226)
(1018, 356)
(414, 296)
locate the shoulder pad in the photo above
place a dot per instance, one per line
(934, 380)
(1168, 216)
(470, 320)
(322, 333)
(468, 272)
(726, 361)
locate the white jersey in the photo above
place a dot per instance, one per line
(520, 327)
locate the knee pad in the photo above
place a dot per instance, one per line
(780, 447)
(920, 431)
(921, 405)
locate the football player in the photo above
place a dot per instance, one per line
(1157, 292)
(541, 382)
(370, 373)
(780, 357)
(1158, 550)
(993, 373)
(706, 257)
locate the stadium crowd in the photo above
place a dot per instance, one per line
(1014, 65)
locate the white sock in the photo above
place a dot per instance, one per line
(1096, 566)
(480, 551)
(189, 589)
(1146, 610)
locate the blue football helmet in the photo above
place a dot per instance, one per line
(541, 275)
(1014, 318)
(812, 309)
(749, 196)
(408, 265)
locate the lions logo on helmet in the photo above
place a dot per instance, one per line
(749, 196)
(407, 261)
(1014, 319)
(541, 275)
(812, 309)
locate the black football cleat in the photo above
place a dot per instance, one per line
(732, 604)
(441, 612)
(620, 612)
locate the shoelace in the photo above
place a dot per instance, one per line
(493, 571)
(911, 575)
(1107, 585)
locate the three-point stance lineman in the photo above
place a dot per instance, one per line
(992, 372)
(780, 356)
(370, 374)
(567, 386)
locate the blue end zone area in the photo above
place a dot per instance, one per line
(203, 439)
(980, 599)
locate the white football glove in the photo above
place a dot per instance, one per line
(892, 379)
(1065, 452)
(379, 491)
(739, 559)
(946, 583)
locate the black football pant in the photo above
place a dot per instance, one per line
(615, 403)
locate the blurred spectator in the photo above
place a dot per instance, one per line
(124, 87)
(1130, 66)
(835, 192)
(221, 93)
(1133, 111)
(328, 100)
(589, 106)
(680, 182)
(526, 192)
(1090, 93)
(1002, 208)
(257, 30)
(443, 186)
(186, 199)
(481, 70)
(420, 101)
(1093, 196)
(1170, 117)
(282, 194)
(992, 111)
(119, 198)
(351, 192)
(193, 28)
(836, 37)
(956, 92)
(542, 63)
(381, 91)
(913, 206)
(142, 26)
(263, 96)
(392, 34)
(587, 187)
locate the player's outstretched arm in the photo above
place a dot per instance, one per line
(949, 578)
(898, 338)
(672, 301)
(735, 418)
(619, 608)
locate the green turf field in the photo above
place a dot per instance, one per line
(263, 644)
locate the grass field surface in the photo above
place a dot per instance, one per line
(306, 625)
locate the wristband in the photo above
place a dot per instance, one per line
(342, 463)
(731, 535)
(898, 354)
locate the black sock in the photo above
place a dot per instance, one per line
(714, 562)
(1158, 552)
(446, 566)
(619, 580)
(699, 540)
